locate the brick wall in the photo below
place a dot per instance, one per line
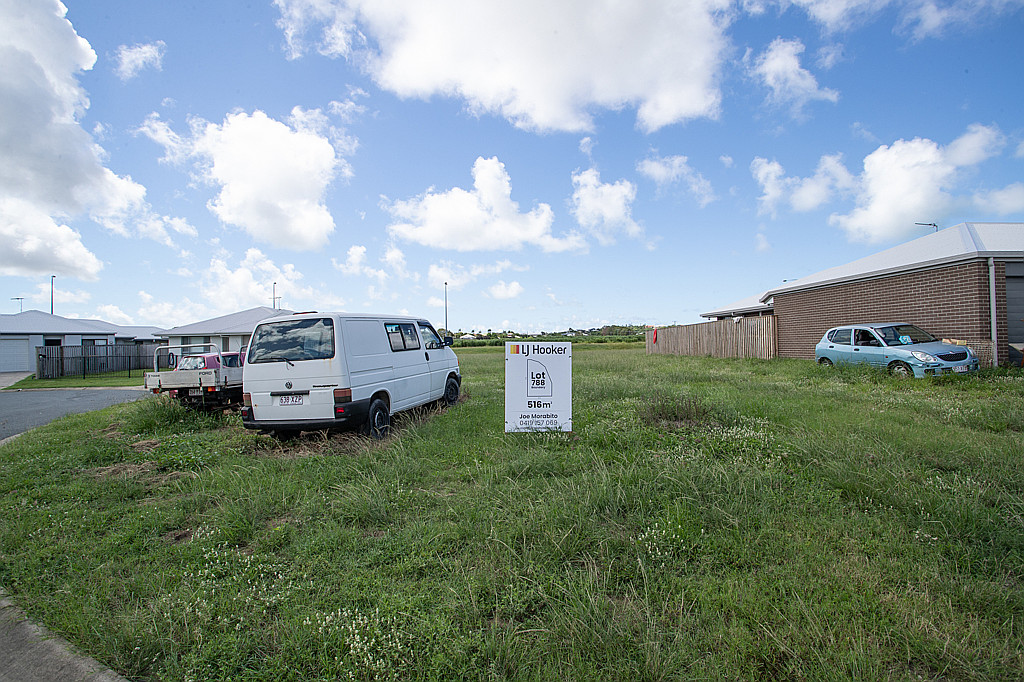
(950, 302)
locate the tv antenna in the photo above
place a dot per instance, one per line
(928, 225)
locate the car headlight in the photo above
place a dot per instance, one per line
(922, 356)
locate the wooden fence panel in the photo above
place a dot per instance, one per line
(744, 337)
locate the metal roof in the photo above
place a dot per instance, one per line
(750, 304)
(966, 241)
(38, 322)
(242, 322)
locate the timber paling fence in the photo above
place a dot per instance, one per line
(53, 362)
(742, 337)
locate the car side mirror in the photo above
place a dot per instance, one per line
(448, 340)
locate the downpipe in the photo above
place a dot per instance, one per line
(992, 310)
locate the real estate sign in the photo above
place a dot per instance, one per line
(538, 386)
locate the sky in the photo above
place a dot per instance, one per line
(559, 165)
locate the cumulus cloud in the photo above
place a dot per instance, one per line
(53, 169)
(900, 184)
(253, 283)
(482, 219)
(272, 175)
(355, 264)
(541, 65)
(112, 313)
(33, 244)
(502, 291)
(458, 276)
(778, 68)
(604, 209)
(132, 60)
(911, 179)
(671, 169)
(1006, 201)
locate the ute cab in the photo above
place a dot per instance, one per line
(315, 371)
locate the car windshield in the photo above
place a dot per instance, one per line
(192, 362)
(904, 335)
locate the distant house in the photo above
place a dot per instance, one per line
(965, 282)
(22, 333)
(229, 332)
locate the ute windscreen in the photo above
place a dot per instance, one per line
(293, 341)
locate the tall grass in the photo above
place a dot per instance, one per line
(706, 519)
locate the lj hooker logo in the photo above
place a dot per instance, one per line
(524, 350)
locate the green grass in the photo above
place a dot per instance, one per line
(115, 380)
(708, 518)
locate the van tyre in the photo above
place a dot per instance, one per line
(378, 420)
(451, 391)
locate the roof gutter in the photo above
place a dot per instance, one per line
(992, 310)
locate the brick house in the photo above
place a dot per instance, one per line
(964, 282)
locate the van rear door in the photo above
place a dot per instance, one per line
(292, 369)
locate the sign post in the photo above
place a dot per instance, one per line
(538, 386)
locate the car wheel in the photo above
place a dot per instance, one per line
(900, 369)
(824, 362)
(451, 391)
(378, 421)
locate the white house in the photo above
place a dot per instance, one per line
(229, 332)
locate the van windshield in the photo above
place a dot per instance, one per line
(293, 340)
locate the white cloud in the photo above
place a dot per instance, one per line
(911, 181)
(1005, 201)
(772, 178)
(254, 283)
(457, 276)
(921, 18)
(33, 244)
(790, 84)
(503, 291)
(52, 167)
(111, 313)
(726, 160)
(132, 60)
(830, 177)
(43, 291)
(604, 209)
(272, 176)
(761, 243)
(482, 219)
(542, 65)
(671, 169)
(355, 264)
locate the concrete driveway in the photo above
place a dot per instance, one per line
(24, 410)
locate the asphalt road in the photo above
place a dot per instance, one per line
(24, 410)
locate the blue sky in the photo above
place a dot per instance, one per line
(568, 164)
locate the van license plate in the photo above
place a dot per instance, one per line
(290, 400)
(195, 391)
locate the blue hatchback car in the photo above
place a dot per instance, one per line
(901, 348)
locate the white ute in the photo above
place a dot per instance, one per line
(314, 371)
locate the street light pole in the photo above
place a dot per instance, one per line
(52, 277)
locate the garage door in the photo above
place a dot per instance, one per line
(1015, 306)
(14, 355)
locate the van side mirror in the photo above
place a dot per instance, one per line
(448, 340)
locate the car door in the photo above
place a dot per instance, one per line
(839, 346)
(437, 360)
(867, 348)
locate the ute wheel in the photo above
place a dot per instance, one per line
(824, 362)
(378, 420)
(451, 391)
(900, 369)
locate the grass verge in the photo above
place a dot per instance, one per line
(707, 519)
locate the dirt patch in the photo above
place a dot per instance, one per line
(125, 470)
(176, 537)
(144, 445)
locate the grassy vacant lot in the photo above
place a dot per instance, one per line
(707, 519)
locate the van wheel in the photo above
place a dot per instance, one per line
(451, 391)
(378, 421)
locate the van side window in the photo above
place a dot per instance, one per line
(431, 341)
(402, 336)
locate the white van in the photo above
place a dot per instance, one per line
(313, 371)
